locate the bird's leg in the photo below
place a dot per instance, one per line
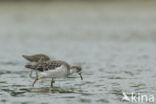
(30, 75)
(36, 74)
(52, 81)
(35, 81)
(80, 76)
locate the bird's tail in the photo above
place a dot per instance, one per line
(29, 58)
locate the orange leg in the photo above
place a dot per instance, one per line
(34, 82)
(52, 81)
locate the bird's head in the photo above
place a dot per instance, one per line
(77, 69)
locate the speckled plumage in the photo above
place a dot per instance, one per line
(53, 69)
(35, 59)
(43, 66)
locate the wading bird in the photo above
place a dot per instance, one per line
(53, 69)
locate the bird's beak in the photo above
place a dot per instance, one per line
(80, 76)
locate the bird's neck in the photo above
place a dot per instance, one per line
(72, 70)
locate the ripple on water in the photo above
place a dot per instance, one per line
(84, 83)
(99, 85)
(103, 101)
(115, 84)
(25, 89)
(2, 82)
(137, 85)
(117, 92)
(101, 70)
(84, 100)
(86, 94)
(68, 97)
(14, 92)
(8, 63)
(17, 86)
(4, 100)
(51, 90)
(5, 72)
(115, 77)
(140, 87)
(129, 73)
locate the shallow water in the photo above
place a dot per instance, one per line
(111, 65)
(108, 70)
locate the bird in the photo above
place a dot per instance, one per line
(35, 58)
(53, 69)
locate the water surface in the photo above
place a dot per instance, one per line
(113, 42)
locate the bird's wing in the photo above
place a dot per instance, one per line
(36, 58)
(46, 65)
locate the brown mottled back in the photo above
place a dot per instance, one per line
(48, 65)
(37, 57)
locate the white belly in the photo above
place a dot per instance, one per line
(57, 73)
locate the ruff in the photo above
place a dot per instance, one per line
(53, 69)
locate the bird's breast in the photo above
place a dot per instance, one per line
(55, 73)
